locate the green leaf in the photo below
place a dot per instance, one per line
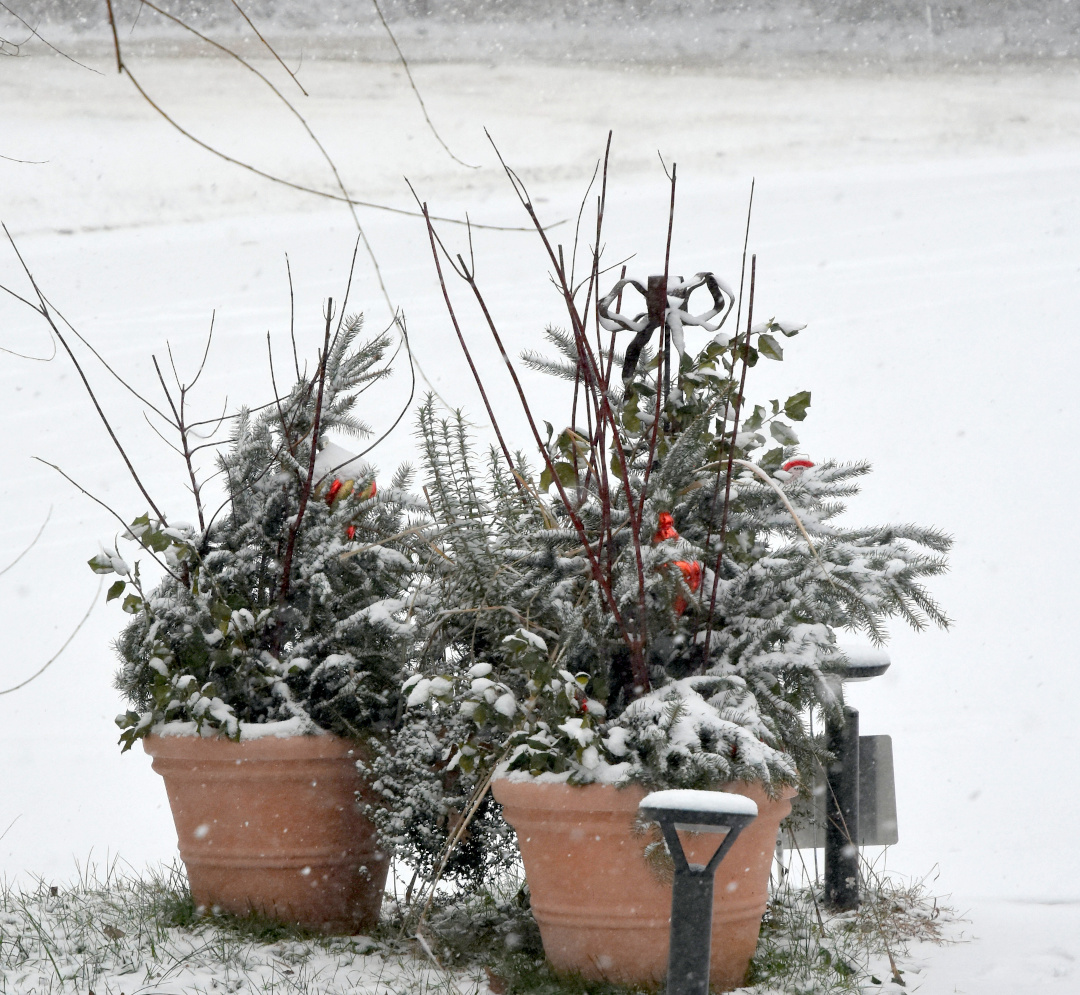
(566, 474)
(101, 564)
(616, 466)
(747, 352)
(796, 405)
(772, 459)
(546, 480)
(115, 591)
(132, 603)
(755, 421)
(784, 434)
(769, 347)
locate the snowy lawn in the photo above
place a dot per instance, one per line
(926, 228)
(115, 932)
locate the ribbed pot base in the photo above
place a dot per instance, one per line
(274, 826)
(603, 912)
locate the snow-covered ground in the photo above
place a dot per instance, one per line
(925, 226)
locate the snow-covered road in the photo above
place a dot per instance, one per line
(927, 228)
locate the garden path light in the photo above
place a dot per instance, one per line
(692, 887)
(842, 788)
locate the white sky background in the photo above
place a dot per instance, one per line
(926, 225)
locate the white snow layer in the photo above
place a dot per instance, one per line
(705, 802)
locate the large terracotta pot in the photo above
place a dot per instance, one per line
(274, 826)
(603, 912)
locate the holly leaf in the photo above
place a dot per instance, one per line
(784, 434)
(747, 353)
(115, 591)
(796, 405)
(101, 563)
(769, 347)
(132, 603)
(772, 459)
(756, 420)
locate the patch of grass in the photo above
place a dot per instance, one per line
(804, 949)
(115, 932)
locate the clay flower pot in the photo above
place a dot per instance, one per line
(603, 912)
(274, 825)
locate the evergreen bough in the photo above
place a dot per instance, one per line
(521, 638)
(291, 604)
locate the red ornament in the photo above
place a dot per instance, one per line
(666, 529)
(691, 571)
(350, 532)
(333, 492)
(692, 575)
(793, 465)
(368, 492)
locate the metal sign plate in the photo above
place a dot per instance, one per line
(877, 802)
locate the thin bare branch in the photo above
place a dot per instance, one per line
(412, 84)
(460, 336)
(67, 642)
(93, 497)
(44, 310)
(115, 36)
(327, 194)
(34, 33)
(728, 473)
(206, 352)
(305, 492)
(269, 47)
(412, 392)
(33, 542)
(25, 162)
(292, 317)
(157, 432)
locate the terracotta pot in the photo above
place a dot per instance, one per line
(603, 912)
(274, 826)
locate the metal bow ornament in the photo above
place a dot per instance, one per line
(670, 311)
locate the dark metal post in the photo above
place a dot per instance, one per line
(656, 300)
(842, 808)
(691, 931)
(690, 949)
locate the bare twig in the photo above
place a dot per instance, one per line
(292, 317)
(730, 460)
(67, 642)
(269, 47)
(305, 491)
(727, 399)
(461, 338)
(412, 84)
(93, 497)
(341, 197)
(44, 310)
(33, 542)
(45, 41)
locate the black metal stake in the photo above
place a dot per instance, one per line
(842, 808)
(690, 949)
